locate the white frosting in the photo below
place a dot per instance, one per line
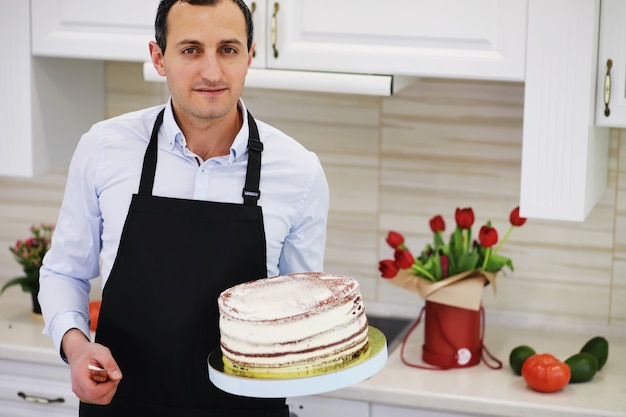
(302, 320)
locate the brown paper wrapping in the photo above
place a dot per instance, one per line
(464, 290)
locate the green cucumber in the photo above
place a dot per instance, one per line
(518, 356)
(599, 347)
(583, 366)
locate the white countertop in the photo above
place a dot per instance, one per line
(20, 331)
(483, 391)
(476, 390)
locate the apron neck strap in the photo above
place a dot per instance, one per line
(250, 193)
(150, 158)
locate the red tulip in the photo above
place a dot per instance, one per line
(488, 236)
(444, 266)
(515, 218)
(437, 224)
(388, 268)
(395, 239)
(404, 259)
(464, 217)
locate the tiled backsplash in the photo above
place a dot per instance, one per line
(392, 163)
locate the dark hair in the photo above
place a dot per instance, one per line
(160, 23)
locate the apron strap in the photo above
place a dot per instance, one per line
(150, 158)
(251, 192)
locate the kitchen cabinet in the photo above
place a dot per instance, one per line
(611, 78)
(482, 39)
(116, 30)
(30, 389)
(564, 154)
(550, 45)
(449, 38)
(46, 103)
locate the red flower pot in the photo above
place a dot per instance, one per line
(452, 336)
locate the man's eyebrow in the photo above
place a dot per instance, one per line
(231, 42)
(192, 42)
(188, 42)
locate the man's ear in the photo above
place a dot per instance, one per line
(157, 58)
(251, 53)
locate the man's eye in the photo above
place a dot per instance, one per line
(189, 50)
(230, 50)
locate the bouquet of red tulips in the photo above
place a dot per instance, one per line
(450, 277)
(439, 260)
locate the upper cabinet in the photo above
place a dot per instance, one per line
(564, 155)
(551, 45)
(447, 38)
(611, 77)
(113, 30)
(483, 39)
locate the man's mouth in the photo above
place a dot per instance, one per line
(210, 90)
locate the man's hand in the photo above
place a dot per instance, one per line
(95, 373)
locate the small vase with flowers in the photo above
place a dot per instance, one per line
(29, 254)
(450, 277)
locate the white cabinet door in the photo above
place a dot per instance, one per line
(258, 8)
(564, 156)
(478, 39)
(483, 39)
(29, 389)
(611, 95)
(108, 30)
(447, 38)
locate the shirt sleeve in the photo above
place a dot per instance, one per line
(72, 260)
(304, 247)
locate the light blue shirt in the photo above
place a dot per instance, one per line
(104, 174)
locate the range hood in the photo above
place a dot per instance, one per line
(325, 82)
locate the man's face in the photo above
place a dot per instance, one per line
(206, 59)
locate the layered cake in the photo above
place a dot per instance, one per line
(292, 323)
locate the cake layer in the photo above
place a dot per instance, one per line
(286, 297)
(300, 320)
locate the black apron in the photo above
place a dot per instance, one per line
(159, 313)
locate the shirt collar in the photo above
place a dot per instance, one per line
(175, 135)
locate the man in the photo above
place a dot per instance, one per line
(172, 205)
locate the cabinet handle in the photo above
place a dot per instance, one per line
(607, 87)
(275, 29)
(40, 400)
(252, 10)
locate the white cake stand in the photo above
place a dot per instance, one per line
(359, 369)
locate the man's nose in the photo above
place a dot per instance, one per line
(211, 70)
